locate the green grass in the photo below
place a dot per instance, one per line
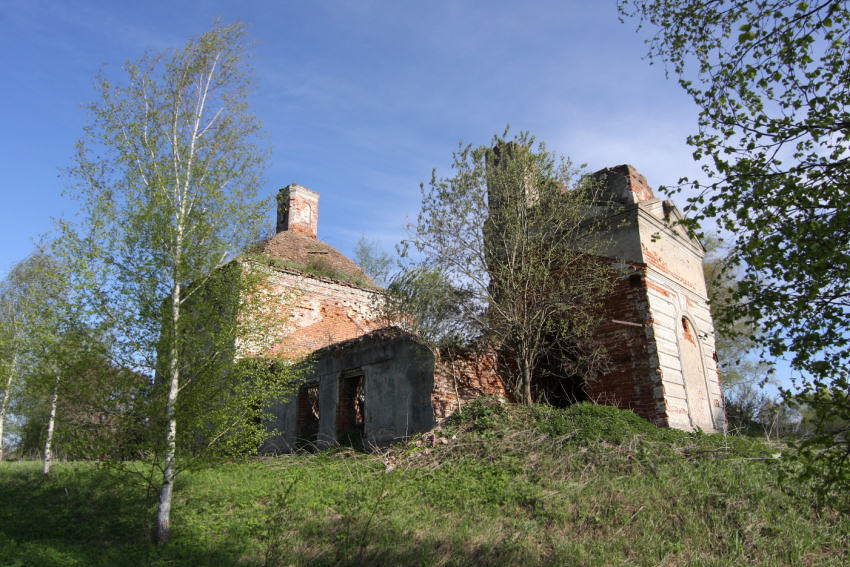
(589, 485)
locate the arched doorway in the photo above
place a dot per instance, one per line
(693, 372)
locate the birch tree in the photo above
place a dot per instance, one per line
(35, 308)
(18, 297)
(167, 175)
(12, 324)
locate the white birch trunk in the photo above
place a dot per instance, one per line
(51, 422)
(7, 395)
(181, 197)
(164, 512)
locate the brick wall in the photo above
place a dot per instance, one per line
(633, 381)
(301, 314)
(298, 210)
(307, 426)
(349, 409)
(463, 379)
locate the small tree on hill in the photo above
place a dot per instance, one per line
(374, 261)
(513, 242)
(168, 172)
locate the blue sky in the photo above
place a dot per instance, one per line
(360, 99)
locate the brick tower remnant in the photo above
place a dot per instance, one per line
(298, 210)
(321, 296)
(658, 327)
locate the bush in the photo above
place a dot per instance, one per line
(587, 423)
(485, 413)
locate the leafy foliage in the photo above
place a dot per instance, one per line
(505, 256)
(34, 309)
(736, 343)
(167, 175)
(423, 300)
(742, 373)
(95, 399)
(316, 266)
(772, 81)
(375, 262)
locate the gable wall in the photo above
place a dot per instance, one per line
(303, 314)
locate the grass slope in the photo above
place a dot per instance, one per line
(589, 485)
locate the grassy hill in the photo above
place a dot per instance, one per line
(589, 485)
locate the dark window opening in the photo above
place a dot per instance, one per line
(307, 427)
(686, 328)
(350, 410)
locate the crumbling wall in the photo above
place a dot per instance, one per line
(309, 313)
(461, 379)
(633, 380)
(658, 328)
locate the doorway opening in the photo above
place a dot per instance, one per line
(351, 409)
(307, 426)
(559, 381)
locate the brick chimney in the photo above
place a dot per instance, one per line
(298, 210)
(623, 183)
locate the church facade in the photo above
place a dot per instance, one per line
(379, 383)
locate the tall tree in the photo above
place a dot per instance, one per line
(509, 244)
(34, 306)
(771, 79)
(167, 175)
(67, 391)
(20, 295)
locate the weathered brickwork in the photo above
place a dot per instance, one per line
(349, 409)
(657, 330)
(308, 412)
(322, 312)
(626, 184)
(665, 369)
(462, 379)
(298, 210)
(298, 313)
(634, 381)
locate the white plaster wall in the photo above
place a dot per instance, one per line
(676, 289)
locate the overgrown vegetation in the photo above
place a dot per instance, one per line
(496, 485)
(770, 79)
(502, 255)
(316, 266)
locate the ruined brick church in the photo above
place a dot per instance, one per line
(384, 384)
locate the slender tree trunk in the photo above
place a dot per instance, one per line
(7, 395)
(51, 422)
(164, 512)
